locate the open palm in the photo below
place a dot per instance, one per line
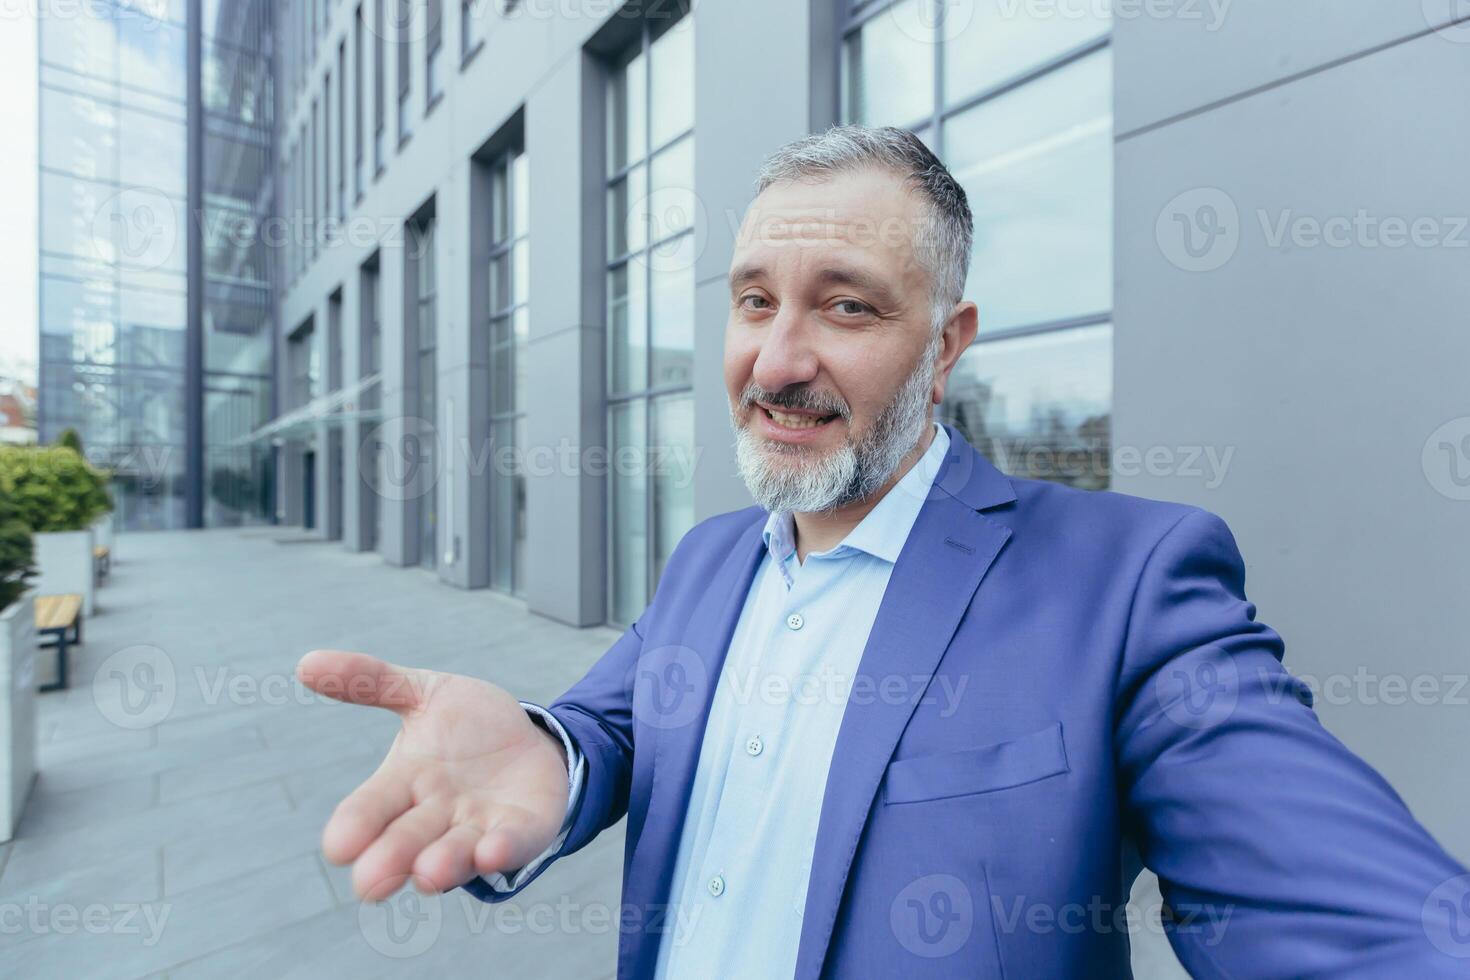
(470, 785)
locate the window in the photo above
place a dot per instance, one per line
(470, 39)
(650, 290)
(380, 102)
(357, 130)
(1019, 107)
(313, 182)
(326, 174)
(370, 353)
(425, 376)
(508, 277)
(434, 53)
(342, 131)
(405, 24)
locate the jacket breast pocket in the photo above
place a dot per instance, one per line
(982, 769)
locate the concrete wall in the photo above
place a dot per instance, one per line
(1274, 309)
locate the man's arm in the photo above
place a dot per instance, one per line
(1279, 851)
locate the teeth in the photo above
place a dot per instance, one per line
(795, 421)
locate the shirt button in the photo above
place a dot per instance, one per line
(753, 745)
(795, 621)
(717, 885)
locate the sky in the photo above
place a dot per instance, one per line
(18, 273)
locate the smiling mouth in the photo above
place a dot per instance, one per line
(794, 420)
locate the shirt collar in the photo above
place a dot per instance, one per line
(886, 527)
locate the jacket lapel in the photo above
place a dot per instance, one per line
(676, 750)
(948, 552)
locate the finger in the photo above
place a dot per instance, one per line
(358, 678)
(361, 817)
(386, 863)
(506, 847)
(450, 861)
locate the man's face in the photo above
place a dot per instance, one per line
(828, 346)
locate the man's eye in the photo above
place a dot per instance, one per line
(747, 302)
(851, 307)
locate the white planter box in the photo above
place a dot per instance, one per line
(103, 536)
(17, 711)
(64, 564)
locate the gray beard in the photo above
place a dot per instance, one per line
(783, 478)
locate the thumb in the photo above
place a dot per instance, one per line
(358, 678)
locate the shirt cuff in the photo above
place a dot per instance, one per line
(576, 772)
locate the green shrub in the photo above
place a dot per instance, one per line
(17, 554)
(51, 488)
(71, 439)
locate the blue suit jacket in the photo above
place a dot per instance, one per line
(1117, 703)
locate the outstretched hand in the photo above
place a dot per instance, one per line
(470, 786)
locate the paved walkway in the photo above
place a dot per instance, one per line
(174, 829)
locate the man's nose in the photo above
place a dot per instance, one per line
(786, 355)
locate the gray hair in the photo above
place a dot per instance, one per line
(943, 245)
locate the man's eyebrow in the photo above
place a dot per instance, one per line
(842, 276)
(835, 275)
(744, 274)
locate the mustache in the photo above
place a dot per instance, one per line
(799, 397)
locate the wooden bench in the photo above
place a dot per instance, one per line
(59, 616)
(101, 561)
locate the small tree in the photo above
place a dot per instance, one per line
(52, 488)
(72, 440)
(17, 554)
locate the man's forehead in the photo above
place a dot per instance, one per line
(865, 208)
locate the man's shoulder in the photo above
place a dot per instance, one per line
(1099, 517)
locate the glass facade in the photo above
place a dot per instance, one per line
(509, 280)
(113, 261)
(236, 200)
(1019, 108)
(650, 289)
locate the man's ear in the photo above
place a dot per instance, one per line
(958, 334)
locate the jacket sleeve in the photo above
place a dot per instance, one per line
(1279, 852)
(596, 714)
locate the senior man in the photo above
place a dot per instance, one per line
(873, 725)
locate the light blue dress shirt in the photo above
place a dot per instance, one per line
(746, 849)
